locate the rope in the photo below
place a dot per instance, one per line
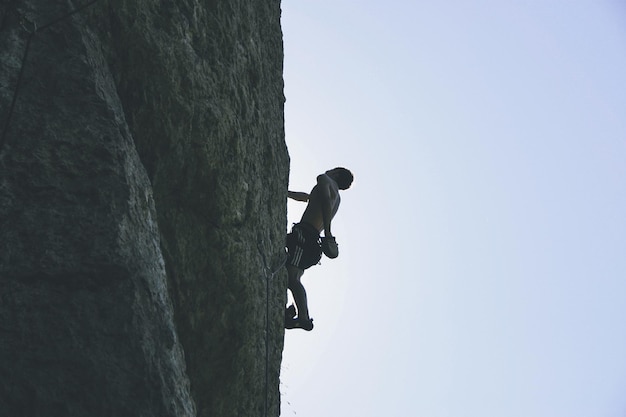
(267, 320)
(31, 35)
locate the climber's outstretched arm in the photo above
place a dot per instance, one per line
(298, 196)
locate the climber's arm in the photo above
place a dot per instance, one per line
(298, 196)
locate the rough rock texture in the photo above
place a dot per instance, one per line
(143, 175)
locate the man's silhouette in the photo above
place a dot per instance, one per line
(303, 243)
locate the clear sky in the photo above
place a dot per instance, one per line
(482, 267)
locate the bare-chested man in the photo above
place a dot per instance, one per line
(303, 243)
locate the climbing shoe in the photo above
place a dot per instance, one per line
(298, 323)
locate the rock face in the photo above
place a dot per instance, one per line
(143, 175)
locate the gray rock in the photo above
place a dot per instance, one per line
(143, 175)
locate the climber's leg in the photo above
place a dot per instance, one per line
(298, 291)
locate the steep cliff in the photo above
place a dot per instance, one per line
(143, 174)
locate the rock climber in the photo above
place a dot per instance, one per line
(304, 244)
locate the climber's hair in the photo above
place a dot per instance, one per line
(343, 177)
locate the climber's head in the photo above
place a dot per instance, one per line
(342, 176)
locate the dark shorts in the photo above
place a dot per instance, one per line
(303, 246)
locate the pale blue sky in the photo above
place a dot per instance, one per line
(482, 269)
